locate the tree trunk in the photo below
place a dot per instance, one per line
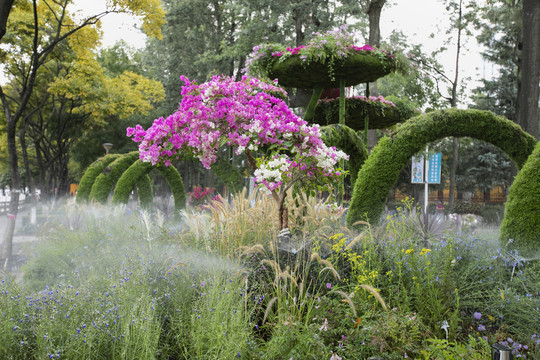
(7, 249)
(453, 103)
(374, 10)
(530, 76)
(5, 8)
(31, 181)
(453, 168)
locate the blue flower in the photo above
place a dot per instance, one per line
(477, 315)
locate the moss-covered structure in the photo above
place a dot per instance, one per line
(90, 175)
(521, 222)
(104, 183)
(381, 115)
(381, 170)
(355, 69)
(139, 170)
(144, 191)
(347, 140)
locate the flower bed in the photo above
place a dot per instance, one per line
(325, 60)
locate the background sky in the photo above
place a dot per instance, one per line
(404, 15)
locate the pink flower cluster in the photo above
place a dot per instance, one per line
(244, 115)
(199, 195)
(366, 47)
(295, 50)
(372, 99)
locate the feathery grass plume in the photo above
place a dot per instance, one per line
(360, 223)
(255, 249)
(355, 240)
(269, 307)
(286, 275)
(348, 300)
(375, 293)
(274, 265)
(328, 265)
(333, 271)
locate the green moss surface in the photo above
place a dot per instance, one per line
(355, 69)
(381, 170)
(90, 175)
(521, 223)
(347, 140)
(139, 169)
(381, 116)
(104, 183)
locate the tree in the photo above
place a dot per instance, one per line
(5, 9)
(46, 35)
(247, 116)
(527, 114)
(460, 21)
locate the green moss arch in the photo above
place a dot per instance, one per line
(138, 170)
(381, 170)
(521, 222)
(347, 140)
(104, 183)
(90, 175)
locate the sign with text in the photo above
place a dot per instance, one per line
(433, 175)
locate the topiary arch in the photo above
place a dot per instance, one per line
(521, 221)
(140, 169)
(381, 170)
(347, 140)
(90, 175)
(104, 183)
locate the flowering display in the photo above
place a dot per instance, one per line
(372, 99)
(330, 48)
(250, 117)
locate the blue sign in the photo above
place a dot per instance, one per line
(433, 174)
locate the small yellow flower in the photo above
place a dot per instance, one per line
(424, 251)
(408, 251)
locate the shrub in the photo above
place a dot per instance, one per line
(521, 222)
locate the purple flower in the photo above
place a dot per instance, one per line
(477, 315)
(328, 285)
(481, 327)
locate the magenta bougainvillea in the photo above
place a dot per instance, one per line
(249, 116)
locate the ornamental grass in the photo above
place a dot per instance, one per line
(121, 283)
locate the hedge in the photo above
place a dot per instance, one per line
(381, 170)
(139, 169)
(104, 183)
(90, 175)
(521, 222)
(347, 140)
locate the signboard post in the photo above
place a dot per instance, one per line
(426, 172)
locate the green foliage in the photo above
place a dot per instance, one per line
(466, 207)
(380, 114)
(130, 177)
(220, 323)
(347, 140)
(381, 170)
(521, 222)
(90, 175)
(438, 349)
(144, 192)
(355, 69)
(104, 183)
(228, 174)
